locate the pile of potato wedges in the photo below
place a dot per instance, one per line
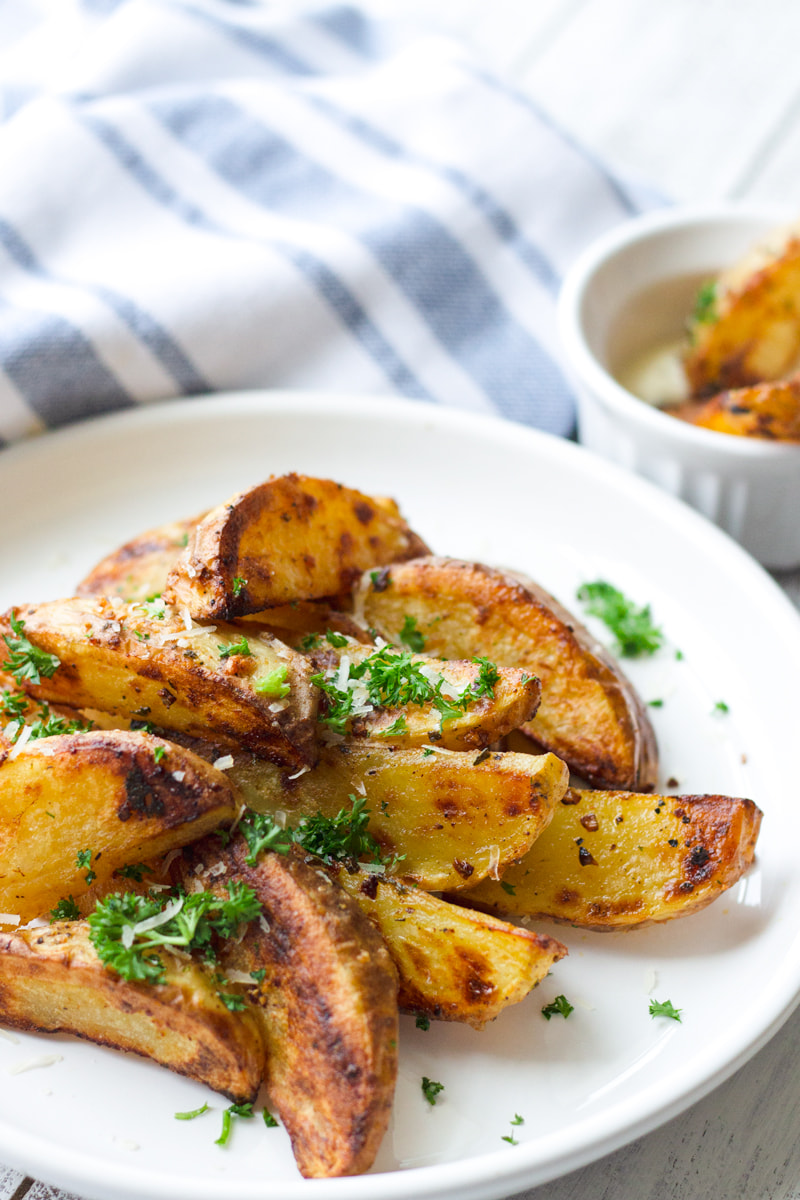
(277, 663)
(744, 345)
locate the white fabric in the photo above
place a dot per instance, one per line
(205, 195)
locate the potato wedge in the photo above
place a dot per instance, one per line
(101, 792)
(138, 570)
(291, 538)
(747, 330)
(614, 860)
(411, 700)
(589, 713)
(328, 1003)
(133, 662)
(452, 818)
(454, 964)
(767, 410)
(51, 981)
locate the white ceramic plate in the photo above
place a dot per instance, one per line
(102, 1124)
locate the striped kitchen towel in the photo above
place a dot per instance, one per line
(202, 195)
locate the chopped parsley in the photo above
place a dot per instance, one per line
(343, 838)
(274, 683)
(83, 861)
(190, 1116)
(398, 726)
(705, 304)
(309, 640)
(487, 678)
(509, 1137)
(423, 1022)
(65, 910)
(431, 1089)
(664, 1008)
(26, 661)
(632, 627)
(133, 871)
(126, 930)
(46, 724)
(508, 888)
(338, 640)
(241, 647)
(560, 1007)
(411, 636)
(259, 974)
(13, 704)
(239, 584)
(232, 1001)
(154, 606)
(269, 1120)
(655, 703)
(234, 1110)
(721, 707)
(159, 752)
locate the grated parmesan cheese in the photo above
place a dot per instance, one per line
(9, 918)
(494, 862)
(224, 763)
(179, 776)
(22, 740)
(31, 1064)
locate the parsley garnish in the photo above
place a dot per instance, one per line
(309, 641)
(632, 627)
(411, 636)
(423, 1021)
(159, 752)
(65, 910)
(705, 304)
(259, 974)
(335, 639)
(664, 1008)
(269, 1120)
(239, 584)
(509, 1137)
(398, 726)
(154, 606)
(133, 871)
(234, 1110)
(232, 1001)
(721, 707)
(343, 838)
(241, 647)
(431, 1089)
(508, 888)
(26, 661)
(488, 677)
(560, 1007)
(13, 704)
(189, 922)
(274, 683)
(190, 1116)
(262, 832)
(48, 724)
(83, 861)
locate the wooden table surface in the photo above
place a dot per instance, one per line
(702, 100)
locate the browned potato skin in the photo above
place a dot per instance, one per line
(105, 665)
(589, 715)
(102, 791)
(453, 819)
(454, 964)
(616, 860)
(769, 410)
(755, 335)
(51, 981)
(291, 538)
(328, 1005)
(138, 570)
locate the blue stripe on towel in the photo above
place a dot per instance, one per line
(423, 258)
(150, 333)
(262, 44)
(55, 368)
(347, 308)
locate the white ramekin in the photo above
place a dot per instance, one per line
(610, 309)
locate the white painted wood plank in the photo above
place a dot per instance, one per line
(686, 94)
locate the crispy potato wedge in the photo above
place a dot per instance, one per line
(478, 717)
(51, 981)
(328, 1004)
(453, 819)
(125, 660)
(590, 715)
(454, 964)
(750, 332)
(138, 570)
(103, 792)
(768, 410)
(291, 538)
(614, 860)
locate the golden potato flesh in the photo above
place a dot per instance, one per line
(327, 1000)
(767, 410)
(138, 570)
(613, 860)
(75, 808)
(291, 538)
(589, 715)
(453, 964)
(746, 328)
(452, 818)
(51, 981)
(143, 661)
